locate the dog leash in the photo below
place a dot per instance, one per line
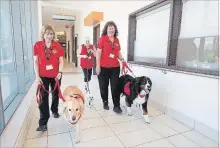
(39, 100)
(39, 95)
(126, 68)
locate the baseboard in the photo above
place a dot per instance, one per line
(24, 129)
(180, 117)
(197, 126)
(157, 106)
(207, 131)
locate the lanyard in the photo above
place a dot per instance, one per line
(88, 50)
(113, 45)
(47, 54)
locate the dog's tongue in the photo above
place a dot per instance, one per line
(142, 94)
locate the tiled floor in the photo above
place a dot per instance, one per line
(101, 128)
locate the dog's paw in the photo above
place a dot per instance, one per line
(138, 106)
(146, 118)
(129, 112)
(77, 141)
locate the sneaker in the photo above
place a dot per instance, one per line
(56, 115)
(117, 109)
(105, 106)
(42, 128)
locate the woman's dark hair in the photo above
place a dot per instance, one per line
(110, 23)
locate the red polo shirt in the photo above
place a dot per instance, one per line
(85, 62)
(48, 67)
(109, 56)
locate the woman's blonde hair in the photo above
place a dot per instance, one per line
(47, 28)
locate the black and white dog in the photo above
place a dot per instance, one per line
(136, 90)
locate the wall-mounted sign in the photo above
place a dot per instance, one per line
(64, 17)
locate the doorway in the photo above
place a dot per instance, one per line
(73, 45)
(96, 36)
(75, 49)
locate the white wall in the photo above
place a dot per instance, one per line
(39, 18)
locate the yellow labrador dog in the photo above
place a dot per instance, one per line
(73, 107)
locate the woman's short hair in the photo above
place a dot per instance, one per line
(47, 28)
(105, 29)
(86, 39)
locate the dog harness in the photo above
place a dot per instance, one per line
(127, 88)
(128, 91)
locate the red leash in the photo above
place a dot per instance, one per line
(39, 95)
(125, 68)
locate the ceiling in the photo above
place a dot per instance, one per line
(59, 25)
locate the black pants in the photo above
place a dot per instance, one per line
(87, 74)
(105, 75)
(44, 106)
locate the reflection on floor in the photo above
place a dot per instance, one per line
(105, 129)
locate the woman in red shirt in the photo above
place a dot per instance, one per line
(48, 64)
(108, 66)
(86, 56)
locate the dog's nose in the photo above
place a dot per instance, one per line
(73, 118)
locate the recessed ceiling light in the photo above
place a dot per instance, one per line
(61, 9)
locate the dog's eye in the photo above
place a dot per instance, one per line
(69, 109)
(77, 109)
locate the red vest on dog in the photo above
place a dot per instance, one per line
(86, 62)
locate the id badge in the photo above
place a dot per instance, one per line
(111, 55)
(49, 67)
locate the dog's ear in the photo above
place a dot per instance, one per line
(81, 104)
(149, 81)
(64, 108)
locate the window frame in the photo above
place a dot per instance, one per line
(2, 119)
(173, 37)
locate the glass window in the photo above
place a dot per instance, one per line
(198, 45)
(25, 39)
(7, 57)
(15, 56)
(29, 42)
(152, 31)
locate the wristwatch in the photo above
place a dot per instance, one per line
(122, 60)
